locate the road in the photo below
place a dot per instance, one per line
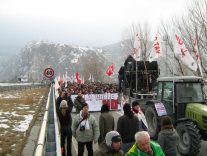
(116, 115)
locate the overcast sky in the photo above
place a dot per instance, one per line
(79, 22)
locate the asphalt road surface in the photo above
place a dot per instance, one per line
(117, 114)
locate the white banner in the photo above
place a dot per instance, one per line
(95, 101)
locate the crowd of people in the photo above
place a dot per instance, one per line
(88, 88)
(130, 138)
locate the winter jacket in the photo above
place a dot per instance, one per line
(64, 120)
(78, 102)
(127, 127)
(106, 124)
(168, 140)
(104, 150)
(88, 134)
(135, 151)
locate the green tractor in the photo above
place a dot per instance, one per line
(183, 99)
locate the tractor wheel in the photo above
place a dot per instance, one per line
(152, 121)
(189, 138)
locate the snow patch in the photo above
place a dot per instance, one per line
(23, 108)
(4, 126)
(10, 97)
(23, 125)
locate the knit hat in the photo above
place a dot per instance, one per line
(84, 104)
(127, 107)
(104, 108)
(166, 121)
(63, 104)
(112, 136)
(135, 103)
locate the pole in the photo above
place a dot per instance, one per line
(166, 54)
(136, 76)
(165, 38)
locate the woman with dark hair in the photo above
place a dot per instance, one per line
(168, 137)
(106, 122)
(127, 126)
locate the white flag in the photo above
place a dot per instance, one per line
(90, 77)
(137, 48)
(183, 54)
(195, 46)
(156, 49)
(198, 56)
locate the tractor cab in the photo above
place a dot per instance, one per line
(184, 89)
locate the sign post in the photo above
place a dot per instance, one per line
(49, 72)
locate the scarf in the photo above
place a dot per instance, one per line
(84, 122)
(141, 117)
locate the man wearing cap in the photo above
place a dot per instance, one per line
(111, 146)
(64, 115)
(85, 130)
(144, 146)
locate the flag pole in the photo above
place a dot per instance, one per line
(136, 77)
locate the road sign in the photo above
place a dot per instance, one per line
(49, 72)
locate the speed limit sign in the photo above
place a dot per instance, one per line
(49, 72)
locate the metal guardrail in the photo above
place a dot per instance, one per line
(49, 133)
(57, 132)
(20, 87)
(41, 140)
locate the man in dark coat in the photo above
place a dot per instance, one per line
(127, 126)
(106, 122)
(64, 115)
(63, 96)
(79, 102)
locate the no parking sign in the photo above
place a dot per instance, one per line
(49, 72)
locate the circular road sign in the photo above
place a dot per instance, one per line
(49, 72)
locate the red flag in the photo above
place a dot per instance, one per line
(77, 76)
(110, 70)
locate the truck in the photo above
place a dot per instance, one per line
(180, 97)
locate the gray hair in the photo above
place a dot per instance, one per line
(140, 135)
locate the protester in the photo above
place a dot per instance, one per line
(127, 126)
(79, 102)
(144, 147)
(168, 137)
(111, 146)
(65, 127)
(106, 122)
(85, 130)
(63, 96)
(138, 112)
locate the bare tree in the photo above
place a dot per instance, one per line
(191, 26)
(128, 38)
(94, 64)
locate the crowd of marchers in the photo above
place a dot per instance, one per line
(88, 88)
(131, 137)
